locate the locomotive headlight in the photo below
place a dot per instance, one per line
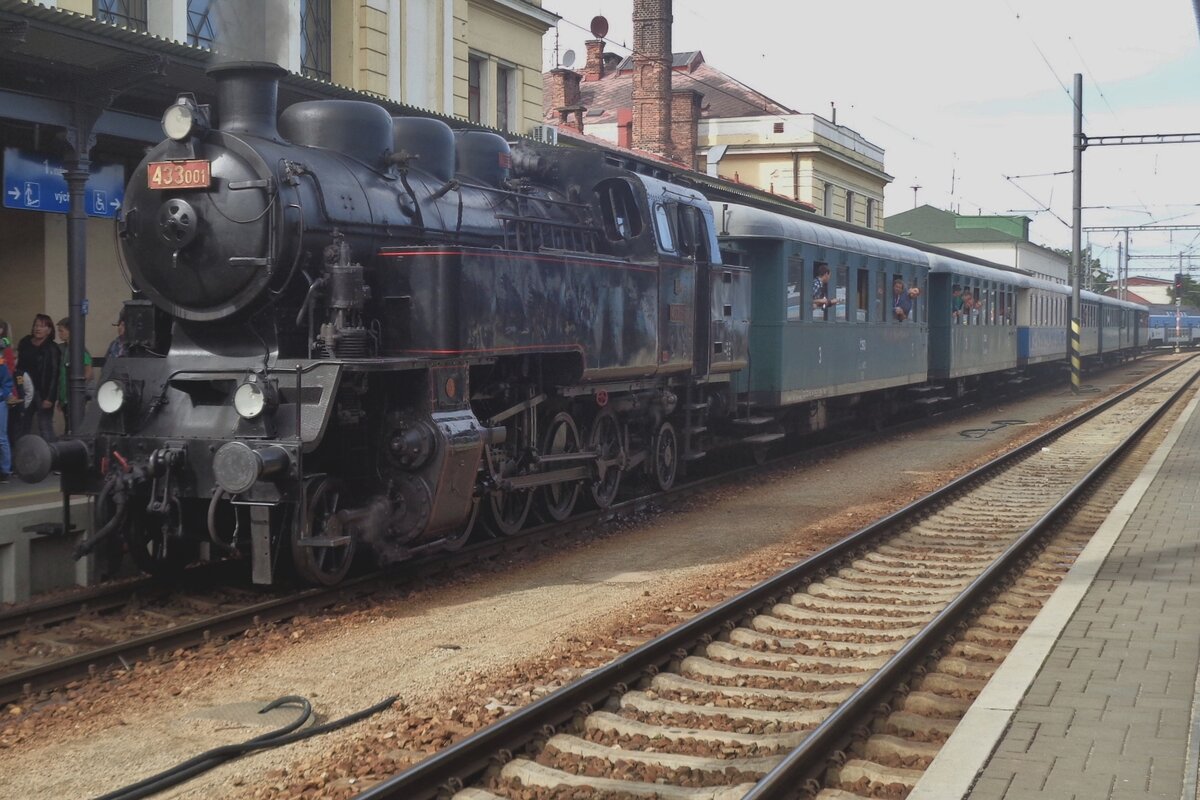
(111, 396)
(252, 398)
(179, 120)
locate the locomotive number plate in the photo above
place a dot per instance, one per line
(178, 175)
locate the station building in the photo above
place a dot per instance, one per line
(721, 126)
(1002, 239)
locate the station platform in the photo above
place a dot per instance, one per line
(30, 561)
(1099, 699)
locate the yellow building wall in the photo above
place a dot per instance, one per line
(460, 37)
(359, 56)
(78, 6)
(490, 31)
(33, 260)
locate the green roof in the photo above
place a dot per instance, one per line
(935, 226)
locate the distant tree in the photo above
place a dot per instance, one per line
(1092, 281)
(1191, 292)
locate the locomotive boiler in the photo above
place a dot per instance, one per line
(359, 332)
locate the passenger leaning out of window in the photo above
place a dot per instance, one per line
(820, 293)
(902, 299)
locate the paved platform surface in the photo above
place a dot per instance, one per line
(17, 492)
(1098, 699)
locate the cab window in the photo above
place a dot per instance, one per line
(619, 214)
(662, 226)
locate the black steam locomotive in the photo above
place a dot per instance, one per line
(363, 331)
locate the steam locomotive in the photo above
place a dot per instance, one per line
(378, 328)
(367, 332)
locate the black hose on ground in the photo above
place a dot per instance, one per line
(219, 755)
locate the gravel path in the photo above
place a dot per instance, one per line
(464, 653)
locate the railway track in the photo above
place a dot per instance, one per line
(838, 678)
(45, 646)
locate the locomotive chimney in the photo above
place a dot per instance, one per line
(247, 97)
(247, 63)
(652, 76)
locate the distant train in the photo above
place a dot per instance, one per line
(1170, 330)
(359, 333)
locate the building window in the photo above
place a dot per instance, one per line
(849, 206)
(315, 35)
(870, 212)
(505, 81)
(200, 24)
(475, 89)
(129, 13)
(829, 199)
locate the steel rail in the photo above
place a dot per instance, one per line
(807, 761)
(455, 767)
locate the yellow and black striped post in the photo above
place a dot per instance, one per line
(1075, 362)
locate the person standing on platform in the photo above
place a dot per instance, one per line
(6, 388)
(64, 369)
(38, 357)
(117, 347)
(14, 405)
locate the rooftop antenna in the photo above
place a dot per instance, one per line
(915, 188)
(568, 59)
(599, 27)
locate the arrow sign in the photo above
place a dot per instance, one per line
(33, 182)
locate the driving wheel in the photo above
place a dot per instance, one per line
(558, 499)
(610, 457)
(666, 457)
(321, 549)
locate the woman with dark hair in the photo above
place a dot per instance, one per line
(38, 355)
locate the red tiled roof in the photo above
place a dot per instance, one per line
(724, 97)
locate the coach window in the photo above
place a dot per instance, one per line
(841, 293)
(882, 287)
(1002, 312)
(662, 224)
(862, 294)
(795, 288)
(822, 288)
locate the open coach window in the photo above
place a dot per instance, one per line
(795, 287)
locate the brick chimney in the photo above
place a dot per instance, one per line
(685, 124)
(652, 76)
(562, 94)
(625, 128)
(594, 70)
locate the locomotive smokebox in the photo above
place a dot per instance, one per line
(248, 97)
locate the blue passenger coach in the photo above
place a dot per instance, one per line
(973, 319)
(1169, 330)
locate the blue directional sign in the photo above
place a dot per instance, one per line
(34, 182)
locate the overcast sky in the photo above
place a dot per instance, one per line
(963, 95)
